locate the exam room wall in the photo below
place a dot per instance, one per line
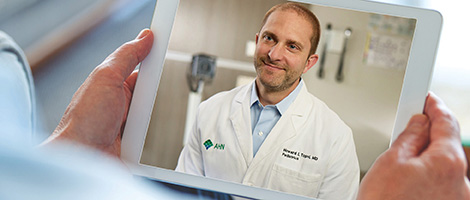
(366, 100)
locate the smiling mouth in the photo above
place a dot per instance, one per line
(272, 66)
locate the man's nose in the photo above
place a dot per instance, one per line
(275, 53)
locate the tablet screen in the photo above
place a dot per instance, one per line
(363, 57)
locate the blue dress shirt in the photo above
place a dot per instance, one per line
(263, 118)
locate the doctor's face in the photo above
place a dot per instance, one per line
(282, 50)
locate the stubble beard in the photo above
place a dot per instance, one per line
(276, 84)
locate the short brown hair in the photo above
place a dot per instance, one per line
(304, 12)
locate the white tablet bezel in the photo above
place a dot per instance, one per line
(414, 91)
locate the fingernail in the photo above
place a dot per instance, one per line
(143, 33)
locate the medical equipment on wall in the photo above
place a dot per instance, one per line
(201, 70)
(335, 42)
(321, 72)
(339, 73)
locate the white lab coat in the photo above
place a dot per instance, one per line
(310, 151)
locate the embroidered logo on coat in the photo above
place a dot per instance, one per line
(208, 144)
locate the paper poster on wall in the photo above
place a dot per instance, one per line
(388, 41)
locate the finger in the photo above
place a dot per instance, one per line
(445, 144)
(124, 60)
(130, 81)
(414, 139)
(444, 125)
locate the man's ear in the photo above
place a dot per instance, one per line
(256, 38)
(312, 59)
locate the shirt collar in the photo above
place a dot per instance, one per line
(282, 105)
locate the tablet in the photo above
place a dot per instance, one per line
(375, 65)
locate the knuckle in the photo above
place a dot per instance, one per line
(104, 71)
(453, 166)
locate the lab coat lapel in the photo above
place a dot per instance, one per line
(287, 127)
(240, 118)
(300, 108)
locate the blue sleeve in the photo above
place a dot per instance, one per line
(17, 102)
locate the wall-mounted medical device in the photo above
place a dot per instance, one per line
(202, 69)
(339, 73)
(335, 42)
(327, 34)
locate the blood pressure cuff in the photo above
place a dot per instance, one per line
(17, 102)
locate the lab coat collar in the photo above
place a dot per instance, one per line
(292, 121)
(283, 104)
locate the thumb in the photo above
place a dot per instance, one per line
(124, 60)
(444, 125)
(414, 139)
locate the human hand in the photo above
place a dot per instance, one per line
(425, 162)
(98, 110)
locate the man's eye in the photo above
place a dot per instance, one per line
(293, 47)
(267, 37)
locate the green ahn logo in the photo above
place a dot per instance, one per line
(219, 146)
(208, 144)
